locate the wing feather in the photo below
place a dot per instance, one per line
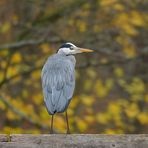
(58, 84)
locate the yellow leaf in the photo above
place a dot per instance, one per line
(140, 85)
(122, 82)
(11, 115)
(16, 58)
(114, 108)
(10, 130)
(87, 84)
(81, 25)
(109, 84)
(136, 87)
(86, 5)
(12, 71)
(102, 118)
(2, 105)
(7, 130)
(87, 100)
(25, 93)
(33, 131)
(82, 125)
(110, 131)
(137, 19)
(3, 64)
(5, 27)
(1, 76)
(132, 111)
(44, 116)
(129, 29)
(37, 98)
(91, 73)
(29, 109)
(121, 18)
(107, 2)
(71, 22)
(36, 74)
(70, 112)
(74, 102)
(103, 89)
(129, 51)
(113, 131)
(60, 123)
(45, 47)
(143, 118)
(100, 89)
(137, 97)
(122, 40)
(17, 103)
(119, 72)
(118, 7)
(123, 21)
(4, 52)
(89, 110)
(89, 119)
(146, 98)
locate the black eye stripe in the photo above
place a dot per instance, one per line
(66, 46)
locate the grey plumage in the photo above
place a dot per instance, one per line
(58, 82)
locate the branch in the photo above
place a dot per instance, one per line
(21, 114)
(80, 66)
(19, 74)
(55, 15)
(25, 43)
(59, 12)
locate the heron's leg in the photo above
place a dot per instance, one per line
(68, 130)
(51, 126)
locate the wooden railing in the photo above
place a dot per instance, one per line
(73, 141)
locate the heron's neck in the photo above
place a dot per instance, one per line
(60, 52)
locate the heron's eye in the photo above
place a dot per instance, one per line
(71, 48)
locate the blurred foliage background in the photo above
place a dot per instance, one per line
(111, 94)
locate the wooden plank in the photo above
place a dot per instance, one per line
(4, 138)
(76, 140)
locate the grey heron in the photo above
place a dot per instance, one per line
(58, 80)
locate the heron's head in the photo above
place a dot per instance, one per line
(69, 49)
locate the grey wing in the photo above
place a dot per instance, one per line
(58, 84)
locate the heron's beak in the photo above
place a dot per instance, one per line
(85, 50)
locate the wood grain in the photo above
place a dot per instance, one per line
(73, 141)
